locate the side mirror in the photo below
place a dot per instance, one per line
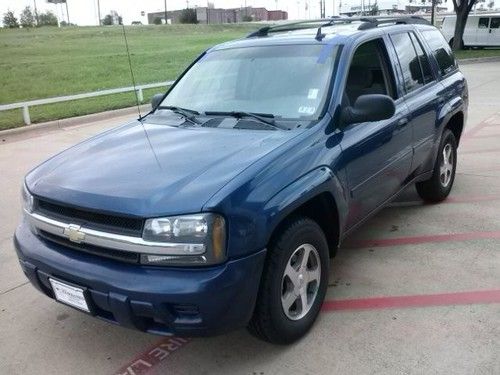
(373, 107)
(156, 100)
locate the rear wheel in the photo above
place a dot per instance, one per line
(294, 283)
(438, 187)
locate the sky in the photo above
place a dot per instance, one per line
(84, 12)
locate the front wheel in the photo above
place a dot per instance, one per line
(438, 187)
(293, 284)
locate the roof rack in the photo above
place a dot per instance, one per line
(366, 23)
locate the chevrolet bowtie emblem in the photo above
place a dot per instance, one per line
(74, 234)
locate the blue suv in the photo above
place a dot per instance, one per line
(221, 207)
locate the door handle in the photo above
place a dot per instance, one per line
(402, 123)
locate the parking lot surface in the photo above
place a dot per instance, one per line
(415, 291)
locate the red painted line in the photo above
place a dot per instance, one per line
(385, 242)
(149, 359)
(423, 300)
(476, 129)
(153, 356)
(480, 151)
(452, 199)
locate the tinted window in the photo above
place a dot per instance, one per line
(424, 61)
(410, 66)
(368, 73)
(483, 23)
(287, 81)
(495, 23)
(441, 51)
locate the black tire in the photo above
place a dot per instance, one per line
(435, 189)
(269, 321)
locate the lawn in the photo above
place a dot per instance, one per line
(48, 62)
(473, 53)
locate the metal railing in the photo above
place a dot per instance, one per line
(25, 105)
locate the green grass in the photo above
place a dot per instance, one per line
(48, 62)
(474, 53)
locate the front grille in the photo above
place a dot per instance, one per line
(124, 256)
(92, 220)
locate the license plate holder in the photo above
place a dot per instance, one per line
(70, 295)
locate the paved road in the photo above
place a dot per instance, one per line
(437, 267)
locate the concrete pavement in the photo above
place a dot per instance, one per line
(437, 268)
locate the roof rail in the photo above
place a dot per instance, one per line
(367, 23)
(371, 22)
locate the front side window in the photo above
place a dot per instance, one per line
(289, 82)
(441, 51)
(495, 23)
(483, 23)
(408, 60)
(368, 73)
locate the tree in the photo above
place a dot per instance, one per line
(188, 16)
(47, 19)
(10, 20)
(27, 18)
(374, 9)
(491, 4)
(113, 18)
(157, 21)
(462, 9)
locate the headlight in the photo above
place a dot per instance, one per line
(27, 199)
(192, 239)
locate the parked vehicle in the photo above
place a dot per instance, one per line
(481, 30)
(221, 207)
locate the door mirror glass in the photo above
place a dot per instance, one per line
(373, 107)
(156, 100)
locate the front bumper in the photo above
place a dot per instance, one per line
(160, 300)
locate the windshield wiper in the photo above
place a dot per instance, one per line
(265, 118)
(188, 114)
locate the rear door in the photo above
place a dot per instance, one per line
(421, 94)
(494, 34)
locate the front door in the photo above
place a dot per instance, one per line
(377, 155)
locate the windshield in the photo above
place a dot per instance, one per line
(289, 82)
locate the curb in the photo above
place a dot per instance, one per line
(45, 127)
(475, 60)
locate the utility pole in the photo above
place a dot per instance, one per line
(433, 11)
(99, 12)
(166, 16)
(36, 12)
(67, 11)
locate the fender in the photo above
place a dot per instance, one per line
(448, 110)
(308, 186)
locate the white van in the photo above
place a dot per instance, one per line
(481, 30)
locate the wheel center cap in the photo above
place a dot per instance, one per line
(301, 281)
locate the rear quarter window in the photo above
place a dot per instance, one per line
(441, 51)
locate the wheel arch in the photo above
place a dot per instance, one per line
(318, 197)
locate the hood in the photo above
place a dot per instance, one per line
(151, 170)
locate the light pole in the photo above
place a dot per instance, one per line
(166, 16)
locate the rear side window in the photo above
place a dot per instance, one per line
(424, 61)
(495, 23)
(484, 23)
(408, 60)
(441, 51)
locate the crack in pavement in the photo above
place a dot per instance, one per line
(13, 288)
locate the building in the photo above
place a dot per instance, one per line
(219, 15)
(387, 7)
